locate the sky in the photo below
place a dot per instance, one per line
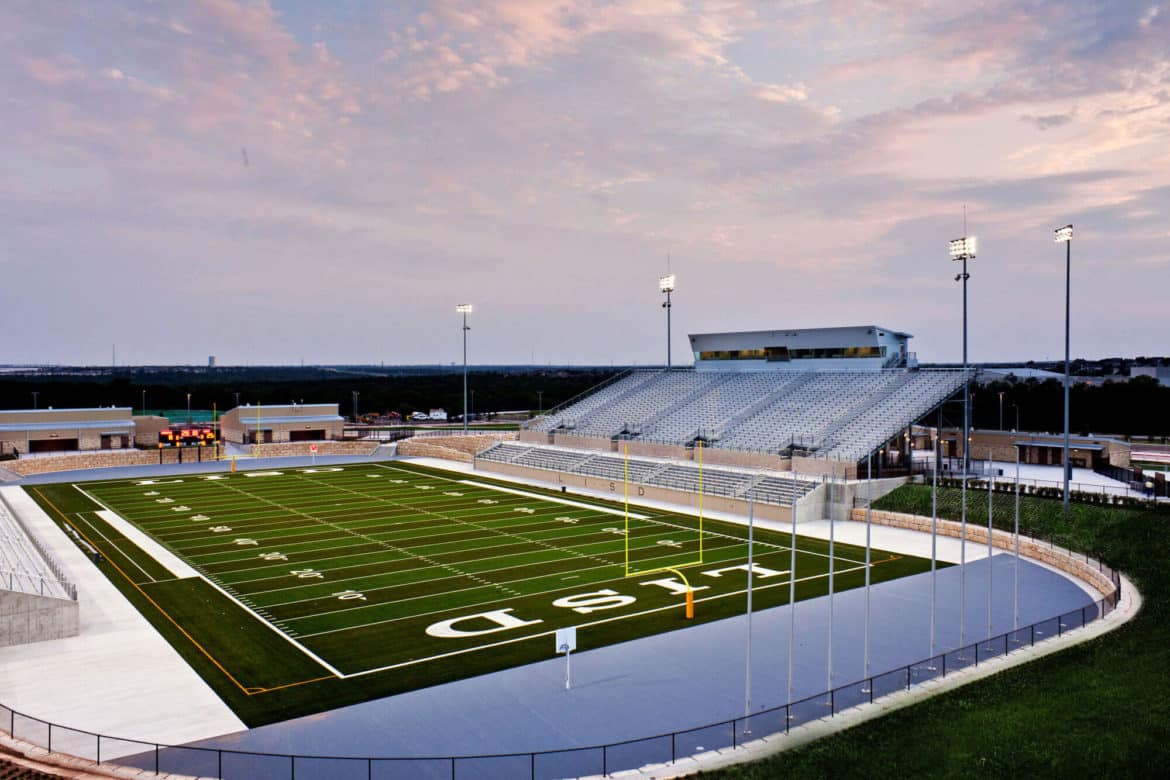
(278, 182)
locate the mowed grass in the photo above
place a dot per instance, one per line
(1098, 709)
(318, 585)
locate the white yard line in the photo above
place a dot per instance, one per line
(553, 499)
(306, 651)
(167, 559)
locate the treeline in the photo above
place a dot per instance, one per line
(490, 390)
(1134, 407)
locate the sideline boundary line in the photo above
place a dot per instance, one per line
(304, 650)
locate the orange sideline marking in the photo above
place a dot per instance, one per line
(248, 691)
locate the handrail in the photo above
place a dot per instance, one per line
(795, 713)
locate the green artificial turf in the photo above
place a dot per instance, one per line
(1099, 709)
(319, 584)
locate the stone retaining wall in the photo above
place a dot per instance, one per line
(105, 459)
(301, 448)
(1029, 548)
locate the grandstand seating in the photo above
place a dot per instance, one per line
(717, 480)
(567, 415)
(835, 414)
(22, 567)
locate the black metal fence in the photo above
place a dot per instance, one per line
(571, 762)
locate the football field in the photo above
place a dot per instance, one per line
(358, 580)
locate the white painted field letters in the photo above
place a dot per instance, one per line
(502, 618)
(585, 603)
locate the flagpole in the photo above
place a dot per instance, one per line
(934, 535)
(990, 546)
(832, 514)
(1016, 532)
(868, 512)
(792, 593)
(747, 686)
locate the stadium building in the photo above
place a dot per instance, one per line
(281, 423)
(27, 431)
(814, 402)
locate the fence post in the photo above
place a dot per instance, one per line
(99, 749)
(1032, 629)
(976, 653)
(219, 763)
(605, 760)
(156, 744)
(50, 737)
(672, 755)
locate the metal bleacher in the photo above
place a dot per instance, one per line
(716, 480)
(24, 567)
(833, 414)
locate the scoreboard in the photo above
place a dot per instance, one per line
(186, 437)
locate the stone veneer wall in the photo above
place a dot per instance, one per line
(301, 448)
(100, 459)
(1003, 540)
(744, 459)
(27, 617)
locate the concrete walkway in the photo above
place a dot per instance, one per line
(118, 676)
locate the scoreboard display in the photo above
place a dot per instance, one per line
(186, 437)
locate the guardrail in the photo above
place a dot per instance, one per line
(47, 556)
(567, 762)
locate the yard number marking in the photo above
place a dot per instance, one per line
(244, 542)
(220, 529)
(308, 574)
(274, 556)
(350, 595)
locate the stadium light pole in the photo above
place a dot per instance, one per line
(962, 250)
(666, 285)
(464, 309)
(34, 395)
(1001, 410)
(143, 403)
(188, 408)
(1065, 235)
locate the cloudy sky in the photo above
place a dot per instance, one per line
(277, 181)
